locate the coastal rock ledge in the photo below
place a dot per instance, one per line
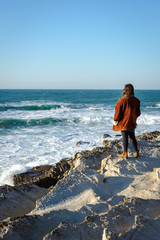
(95, 195)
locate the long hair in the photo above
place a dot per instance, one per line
(128, 90)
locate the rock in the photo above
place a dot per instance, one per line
(68, 231)
(73, 192)
(149, 136)
(44, 176)
(18, 228)
(117, 222)
(106, 135)
(19, 200)
(106, 142)
(104, 163)
(81, 143)
(156, 172)
(90, 158)
(115, 145)
(126, 219)
(143, 228)
(93, 158)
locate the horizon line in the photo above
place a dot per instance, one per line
(91, 89)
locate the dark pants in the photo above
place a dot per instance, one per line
(131, 134)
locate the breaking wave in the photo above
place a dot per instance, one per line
(154, 106)
(30, 107)
(12, 123)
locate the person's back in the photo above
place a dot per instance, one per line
(127, 110)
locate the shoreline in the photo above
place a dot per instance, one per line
(95, 194)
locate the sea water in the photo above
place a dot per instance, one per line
(43, 126)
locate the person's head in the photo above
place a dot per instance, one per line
(128, 90)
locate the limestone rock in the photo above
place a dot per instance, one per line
(93, 158)
(78, 189)
(144, 228)
(106, 142)
(149, 136)
(18, 228)
(117, 221)
(44, 176)
(19, 200)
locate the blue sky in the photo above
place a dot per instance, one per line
(79, 44)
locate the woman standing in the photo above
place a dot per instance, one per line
(127, 110)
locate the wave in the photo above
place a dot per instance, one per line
(7, 123)
(154, 106)
(30, 107)
(12, 123)
(42, 107)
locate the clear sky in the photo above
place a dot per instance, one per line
(79, 44)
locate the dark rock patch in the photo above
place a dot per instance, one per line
(106, 135)
(81, 143)
(44, 176)
(149, 136)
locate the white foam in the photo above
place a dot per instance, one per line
(147, 119)
(156, 106)
(41, 161)
(7, 175)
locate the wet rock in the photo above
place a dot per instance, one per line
(105, 142)
(81, 143)
(44, 176)
(106, 135)
(149, 136)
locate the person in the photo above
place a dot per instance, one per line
(127, 110)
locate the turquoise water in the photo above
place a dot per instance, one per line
(43, 126)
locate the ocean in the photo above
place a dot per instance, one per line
(43, 126)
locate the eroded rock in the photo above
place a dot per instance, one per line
(106, 135)
(44, 176)
(81, 143)
(93, 158)
(19, 200)
(149, 136)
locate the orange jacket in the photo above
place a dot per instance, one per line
(127, 110)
